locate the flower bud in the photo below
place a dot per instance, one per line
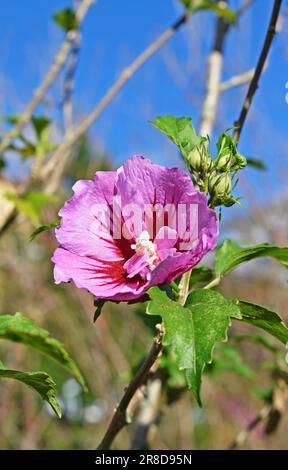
(206, 162)
(195, 159)
(240, 162)
(213, 178)
(224, 162)
(220, 185)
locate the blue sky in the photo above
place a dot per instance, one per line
(114, 32)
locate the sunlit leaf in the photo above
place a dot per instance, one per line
(192, 331)
(230, 255)
(31, 204)
(265, 319)
(220, 8)
(66, 19)
(23, 330)
(44, 228)
(38, 381)
(180, 131)
(255, 163)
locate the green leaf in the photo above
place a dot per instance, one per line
(39, 381)
(193, 330)
(228, 359)
(10, 118)
(219, 7)
(42, 127)
(225, 144)
(199, 275)
(25, 151)
(44, 228)
(21, 329)
(263, 318)
(31, 204)
(255, 163)
(258, 339)
(230, 254)
(99, 305)
(40, 124)
(66, 19)
(180, 131)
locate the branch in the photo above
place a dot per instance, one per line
(237, 80)
(258, 70)
(148, 414)
(55, 167)
(49, 78)
(121, 416)
(271, 412)
(244, 7)
(244, 434)
(70, 138)
(214, 72)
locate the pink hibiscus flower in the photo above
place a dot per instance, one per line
(133, 228)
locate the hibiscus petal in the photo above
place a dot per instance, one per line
(85, 227)
(145, 184)
(102, 279)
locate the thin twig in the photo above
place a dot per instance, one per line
(244, 434)
(244, 7)
(237, 80)
(258, 70)
(49, 79)
(271, 412)
(61, 155)
(120, 417)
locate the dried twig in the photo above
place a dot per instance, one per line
(50, 77)
(121, 417)
(258, 70)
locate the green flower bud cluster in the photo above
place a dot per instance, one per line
(224, 169)
(215, 177)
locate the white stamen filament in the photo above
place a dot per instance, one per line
(144, 246)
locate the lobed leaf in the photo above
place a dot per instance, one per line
(180, 131)
(193, 330)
